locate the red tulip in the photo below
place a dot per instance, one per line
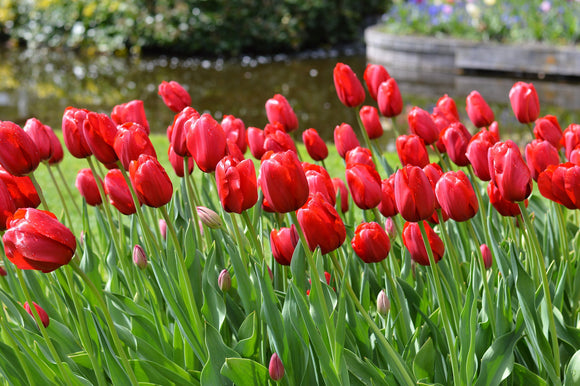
(374, 75)
(315, 146)
(132, 111)
(559, 183)
(434, 173)
(456, 196)
(421, 124)
(575, 156)
(479, 112)
(548, 128)
(321, 224)
(447, 107)
(411, 150)
(539, 155)
(369, 117)
(509, 171)
(571, 138)
(486, 255)
(41, 136)
(276, 139)
(279, 110)
(235, 131)
(233, 150)
(177, 162)
(414, 194)
(525, 102)
(87, 186)
(319, 181)
(494, 129)
(341, 189)
(36, 240)
(389, 99)
(359, 155)
(57, 153)
(18, 153)
(41, 313)
(370, 242)
(456, 138)
(364, 183)
(174, 95)
(7, 207)
(118, 192)
(348, 87)
(476, 153)
(256, 142)
(100, 131)
(276, 367)
(73, 121)
(150, 181)
(206, 142)
(131, 141)
(21, 189)
(504, 207)
(344, 139)
(236, 184)
(413, 240)
(283, 181)
(388, 206)
(177, 132)
(283, 243)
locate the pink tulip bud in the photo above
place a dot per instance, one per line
(276, 367)
(486, 253)
(163, 228)
(383, 303)
(209, 218)
(139, 257)
(225, 280)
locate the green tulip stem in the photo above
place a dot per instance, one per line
(444, 163)
(450, 246)
(39, 191)
(323, 165)
(191, 194)
(531, 128)
(396, 298)
(441, 297)
(66, 375)
(394, 125)
(65, 184)
(60, 195)
(253, 235)
(7, 334)
(560, 212)
(545, 284)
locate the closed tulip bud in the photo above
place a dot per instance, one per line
(256, 142)
(486, 255)
(509, 171)
(571, 138)
(383, 303)
(525, 102)
(319, 181)
(73, 121)
(237, 185)
(447, 107)
(345, 139)
(283, 243)
(559, 183)
(370, 242)
(276, 368)
(391, 228)
(388, 206)
(283, 181)
(41, 313)
(87, 186)
(100, 131)
(414, 194)
(548, 129)
(224, 280)
(277, 140)
(279, 110)
(421, 124)
(321, 224)
(209, 217)
(456, 139)
(476, 153)
(118, 192)
(456, 196)
(359, 155)
(504, 207)
(176, 162)
(235, 131)
(131, 141)
(348, 87)
(7, 207)
(539, 155)
(364, 184)
(174, 95)
(163, 228)
(21, 189)
(369, 117)
(132, 111)
(177, 132)
(389, 99)
(18, 153)
(413, 240)
(41, 136)
(150, 181)
(3, 272)
(139, 257)
(478, 111)
(36, 240)
(411, 150)
(315, 146)
(206, 142)
(342, 191)
(374, 75)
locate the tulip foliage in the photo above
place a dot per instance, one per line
(182, 260)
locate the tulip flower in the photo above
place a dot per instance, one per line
(421, 124)
(7, 207)
(413, 240)
(237, 185)
(434, 173)
(539, 155)
(41, 136)
(177, 132)
(174, 95)
(571, 138)
(548, 128)
(344, 139)
(224, 280)
(479, 112)
(256, 142)
(131, 141)
(359, 155)
(456, 196)
(369, 117)
(21, 189)
(276, 139)
(118, 192)
(150, 181)
(559, 183)
(364, 184)
(278, 109)
(414, 194)
(18, 153)
(276, 368)
(36, 240)
(447, 107)
(456, 139)
(99, 131)
(206, 142)
(383, 303)
(388, 206)
(283, 243)
(476, 153)
(342, 191)
(139, 257)
(235, 131)
(504, 207)
(319, 181)
(41, 313)
(73, 121)
(348, 87)
(283, 181)
(321, 224)
(370, 242)
(525, 102)
(494, 129)
(57, 153)
(176, 162)
(486, 255)
(87, 186)
(209, 217)
(374, 75)
(389, 99)
(509, 171)
(132, 111)
(315, 146)
(391, 228)
(411, 150)
(233, 150)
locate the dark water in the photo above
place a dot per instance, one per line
(43, 84)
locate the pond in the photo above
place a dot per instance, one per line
(43, 83)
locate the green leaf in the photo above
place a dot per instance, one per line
(572, 375)
(248, 337)
(424, 361)
(218, 352)
(245, 372)
(364, 371)
(522, 376)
